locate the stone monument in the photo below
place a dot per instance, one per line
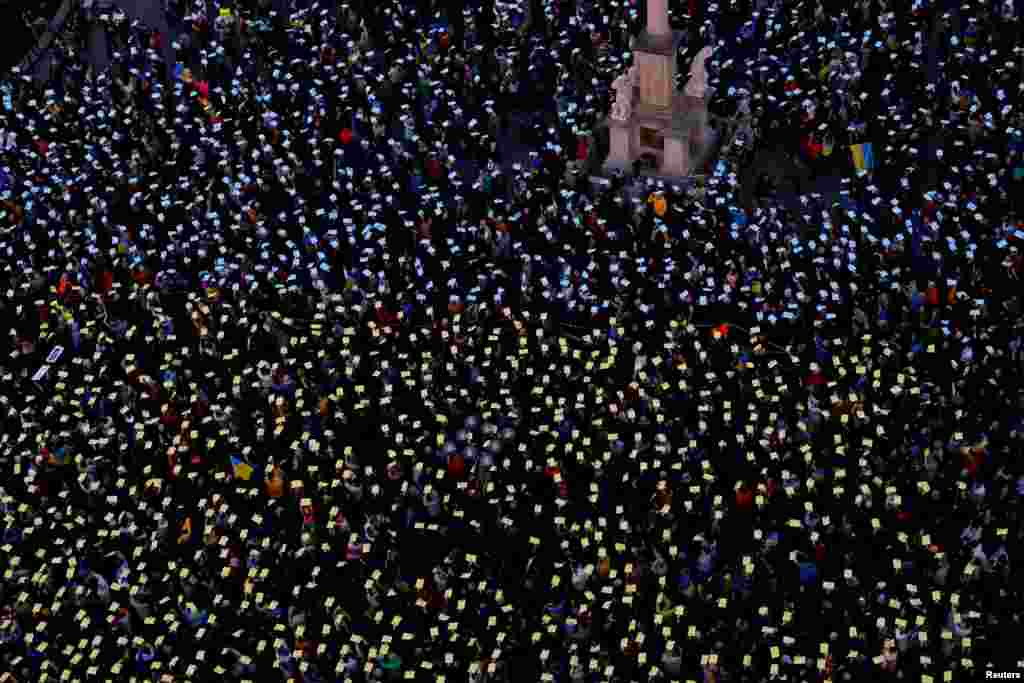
(648, 116)
(697, 86)
(622, 107)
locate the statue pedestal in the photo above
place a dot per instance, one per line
(667, 129)
(674, 137)
(697, 125)
(620, 148)
(676, 159)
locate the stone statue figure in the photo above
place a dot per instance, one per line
(622, 108)
(697, 86)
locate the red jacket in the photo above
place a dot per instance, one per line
(457, 467)
(815, 378)
(581, 150)
(973, 460)
(433, 168)
(104, 281)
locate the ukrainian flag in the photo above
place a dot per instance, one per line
(863, 157)
(242, 470)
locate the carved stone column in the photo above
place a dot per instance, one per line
(657, 18)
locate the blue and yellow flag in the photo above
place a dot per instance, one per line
(242, 470)
(863, 156)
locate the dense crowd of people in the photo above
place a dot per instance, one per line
(325, 359)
